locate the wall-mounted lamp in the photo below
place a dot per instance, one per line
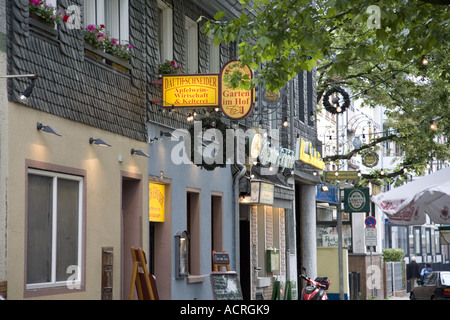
(165, 134)
(99, 142)
(48, 129)
(139, 153)
(152, 139)
(285, 122)
(27, 93)
(28, 90)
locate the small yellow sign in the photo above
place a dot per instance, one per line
(156, 202)
(189, 91)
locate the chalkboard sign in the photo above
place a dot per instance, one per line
(221, 258)
(226, 285)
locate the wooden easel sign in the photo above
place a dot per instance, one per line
(145, 284)
(220, 259)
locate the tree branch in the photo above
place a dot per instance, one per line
(363, 147)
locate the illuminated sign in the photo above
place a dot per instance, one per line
(235, 103)
(156, 202)
(281, 157)
(190, 91)
(308, 154)
(341, 175)
(261, 192)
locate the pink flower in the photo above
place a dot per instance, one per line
(172, 63)
(66, 18)
(91, 28)
(35, 2)
(130, 46)
(102, 26)
(114, 41)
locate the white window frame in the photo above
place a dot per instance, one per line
(73, 282)
(114, 14)
(165, 32)
(214, 56)
(191, 45)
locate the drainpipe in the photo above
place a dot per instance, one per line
(236, 179)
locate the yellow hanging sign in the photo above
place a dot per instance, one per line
(156, 202)
(190, 91)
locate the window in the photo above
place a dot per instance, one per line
(193, 229)
(417, 238)
(301, 96)
(165, 37)
(54, 220)
(310, 102)
(216, 222)
(214, 57)
(326, 230)
(437, 240)
(191, 46)
(270, 235)
(112, 13)
(428, 240)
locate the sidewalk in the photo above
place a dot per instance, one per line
(405, 297)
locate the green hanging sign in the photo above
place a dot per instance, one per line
(356, 200)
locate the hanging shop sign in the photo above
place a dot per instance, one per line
(190, 91)
(260, 193)
(156, 202)
(370, 159)
(331, 195)
(356, 200)
(341, 175)
(281, 157)
(306, 153)
(236, 103)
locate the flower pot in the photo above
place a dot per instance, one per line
(93, 55)
(37, 22)
(92, 52)
(117, 62)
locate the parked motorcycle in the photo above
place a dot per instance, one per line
(315, 289)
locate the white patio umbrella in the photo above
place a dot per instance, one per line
(408, 204)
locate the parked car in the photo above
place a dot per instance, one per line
(436, 286)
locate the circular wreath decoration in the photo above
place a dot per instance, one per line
(334, 108)
(209, 123)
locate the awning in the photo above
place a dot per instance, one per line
(408, 204)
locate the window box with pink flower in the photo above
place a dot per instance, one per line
(44, 17)
(100, 46)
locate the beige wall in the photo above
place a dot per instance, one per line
(103, 188)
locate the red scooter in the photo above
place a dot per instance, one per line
(315, 289)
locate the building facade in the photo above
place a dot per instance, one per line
(92, 165)
(71, 209)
